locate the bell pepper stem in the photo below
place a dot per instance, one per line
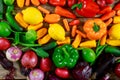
(96, 28)
(77, 5)
(80, 48)
(65, 51)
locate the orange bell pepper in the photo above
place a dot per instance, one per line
(95, 29)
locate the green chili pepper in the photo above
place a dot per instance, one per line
(65, 56)
(4, 29)
(113, 50)
(11, 20)
(9, 2)
(1, 9)
(49, 46)
(40, 52)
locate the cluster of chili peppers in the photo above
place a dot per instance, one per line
(66, 55)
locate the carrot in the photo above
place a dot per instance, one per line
(74, 28)
(108, 22)
(118, 12)
(20, 3)
(67, 27)
(43, 10)
(27, 2)
(66, 41)
(105, 10)
(81, 33)
(64, 12)
(52, 18)
(108, 15)
(44, 40)
(76, 41)
(41, 32)
(103, 39)
(35, 2)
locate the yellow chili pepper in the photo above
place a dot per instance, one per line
(19, 19)
(41, 32)
(89, 43)
(35, 27)
(20, 3)
(116, 19)
(44, 40)
(66, 41)
(76, 41)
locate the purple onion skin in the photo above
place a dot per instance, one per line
(82, 71)
(53, 77)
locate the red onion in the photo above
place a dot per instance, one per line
(13, 54)
(36, 74)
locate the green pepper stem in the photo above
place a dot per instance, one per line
(77, 5)
(80, 48)
(65, 51)
(96, 28)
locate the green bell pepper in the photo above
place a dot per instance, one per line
(65, 56)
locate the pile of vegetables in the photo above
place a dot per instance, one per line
(50, 41)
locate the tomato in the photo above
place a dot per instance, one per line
(101, 3)
(4, 44)
(62, 72)
(74, 22)
(110, 1)
(4, 29)
(43, 1)
(29, 59)
(45, 64)
(71, 2)
(117, 70)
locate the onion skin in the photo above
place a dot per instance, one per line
(29, 59)
(13, 54)
(36, 74)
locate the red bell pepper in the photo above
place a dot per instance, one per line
(64, 12)
(57, 2)
(117, 7)
(43, 1)
(86, 8)
(71, 2)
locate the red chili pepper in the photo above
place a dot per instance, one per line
(64, 12)
(43, 1)
(105, 10)
(86, 8)
(57, 2)
(74, 22)
(117, 7)
(71, 2)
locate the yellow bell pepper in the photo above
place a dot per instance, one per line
(116, 19)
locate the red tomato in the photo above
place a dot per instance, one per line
(71, 2)
(4, 44)
(74, 22)
(45, 64)
(62, 72)
(43, 1)
(29, 59)
(117, 69)
(109, 1)
(101, 3)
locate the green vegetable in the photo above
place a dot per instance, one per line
(10, 8)
(88, 55)
(1, 9)
(65, 56)
(113, 50)
(40, 52)
(9, 2)
(30, 36)
(12, 21)
(4, 29)
(49, 46)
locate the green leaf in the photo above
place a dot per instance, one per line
(40, 52)
(31, 36)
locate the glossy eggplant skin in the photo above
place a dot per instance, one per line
(104, 64)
